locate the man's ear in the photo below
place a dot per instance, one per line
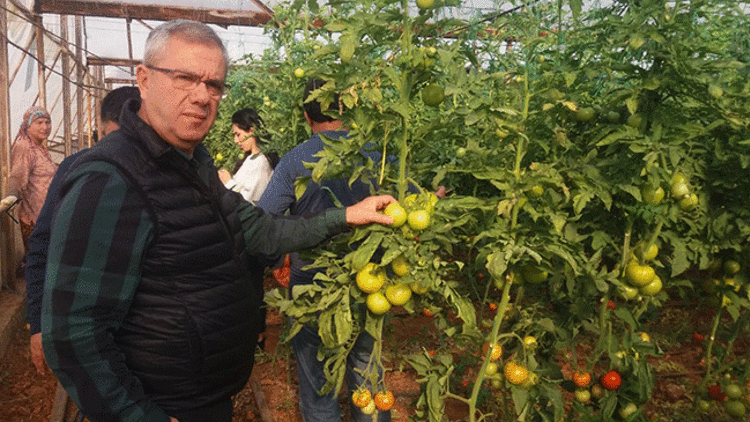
(142, 77)
(308, 120)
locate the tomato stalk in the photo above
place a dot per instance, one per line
(709, 348)
(472, 401)
(651, 240)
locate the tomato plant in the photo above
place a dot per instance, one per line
(572, 157)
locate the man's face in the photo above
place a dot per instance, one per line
(182, 117)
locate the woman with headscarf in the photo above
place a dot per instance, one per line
(31, 170)
(252, 173)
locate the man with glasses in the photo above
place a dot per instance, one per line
(153, 298)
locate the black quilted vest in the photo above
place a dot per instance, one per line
(192, 328)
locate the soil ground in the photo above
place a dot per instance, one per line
(26, 396)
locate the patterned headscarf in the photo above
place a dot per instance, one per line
(31, 114)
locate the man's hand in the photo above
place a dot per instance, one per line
(366, 211)
(171, 419)
(7, 202)
(224, 176)
(37, 354)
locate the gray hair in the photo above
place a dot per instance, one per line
(186, 30)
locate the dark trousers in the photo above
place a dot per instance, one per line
(219, 412)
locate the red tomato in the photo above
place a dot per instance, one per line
(714, 391)
(281, 275)
(611, 305)
(611, 380)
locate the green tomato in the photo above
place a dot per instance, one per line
(397, 212)
(377, 303)
(652, 288)
(651, 252)
(652, 195)
(704, 405)
(639, 275)
(635, 120)
(398, 294)
(628, 410)
(419, 219)
(688, 202)
(735, 408)
(582, 395)
(628, 292)
(731, 267)
(733, 391)
(584, 114)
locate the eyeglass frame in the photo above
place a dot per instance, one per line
(211, 84)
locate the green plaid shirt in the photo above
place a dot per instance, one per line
(98, 239)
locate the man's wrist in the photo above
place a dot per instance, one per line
(335, 220)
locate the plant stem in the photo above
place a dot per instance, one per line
(709, 348)
(472, 401)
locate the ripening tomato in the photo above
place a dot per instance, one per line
(369, 409)
(529, 342)
(384, 400)
(361, 397)
(515, 373)
(497, 351)
(597, 391)
(611, 380)
(491, 369)
(581, 379)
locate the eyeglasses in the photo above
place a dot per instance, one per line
(188, 81)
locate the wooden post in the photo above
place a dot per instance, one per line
(65, 83)
(79, 83)
(130, 45)
(41, 71)
(98, 102)
(7, 243)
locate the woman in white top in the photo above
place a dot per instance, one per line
(252, 173)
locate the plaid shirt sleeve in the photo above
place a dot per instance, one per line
(97, 241)
(270, 236)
